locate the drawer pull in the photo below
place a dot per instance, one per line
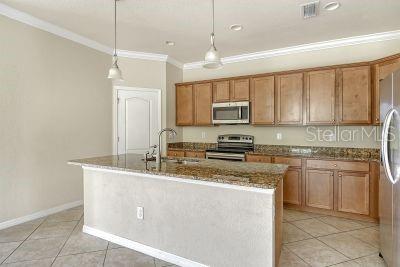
(334, 165)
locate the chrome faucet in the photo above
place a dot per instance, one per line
(159, 143)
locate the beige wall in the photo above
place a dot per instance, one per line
(174, 75)
(291, 135)
(55, 105)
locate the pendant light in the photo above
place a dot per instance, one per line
(114, 72)
(212, 59)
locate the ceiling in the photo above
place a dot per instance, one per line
(145, 25)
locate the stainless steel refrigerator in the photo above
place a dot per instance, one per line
(389, 182)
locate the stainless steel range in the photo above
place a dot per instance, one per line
(231, 147)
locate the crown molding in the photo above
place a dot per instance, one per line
(30, 20)
(356, 40)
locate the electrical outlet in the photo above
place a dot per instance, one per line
(278, 136)
(203, 135)
(140, 213)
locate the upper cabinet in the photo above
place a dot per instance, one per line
(240, 90)
(354, 95)
(202, 103)
(184, 105)
(231, 91)
(221, 91)
(289, 98)
(262, 95)
(320, 97)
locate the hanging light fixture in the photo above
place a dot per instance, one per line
(212, 59)
(114, 72)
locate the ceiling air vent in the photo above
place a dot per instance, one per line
(310, 10)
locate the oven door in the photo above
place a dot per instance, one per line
(231, 113)
(226, 156)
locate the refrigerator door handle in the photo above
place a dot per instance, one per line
(384, 145)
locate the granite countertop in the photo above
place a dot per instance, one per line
(312, 152)
(257, 175)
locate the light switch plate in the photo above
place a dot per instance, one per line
(279, 136)
(203, 135)
(139, 213)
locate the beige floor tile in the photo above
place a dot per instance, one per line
(92, 259)
(294, 215)
(315, 227)
(371, 261)
(80, 242)
(341, 224)
(34, 263)
(53, 229)
(111, 245)
(351, 263)
(348, 245)
(368, 235)
(19, 232)
(289, 259)
(6, 249)
(291, 233)
(126, 257)
(161, 263)
(66, 216)
(316, 253)
(37, 249)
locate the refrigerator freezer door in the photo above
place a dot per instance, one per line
(386, 217)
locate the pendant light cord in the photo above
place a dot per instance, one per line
(115, 27)
(213, 17)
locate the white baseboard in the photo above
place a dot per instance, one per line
(159, 254)
(39, 214)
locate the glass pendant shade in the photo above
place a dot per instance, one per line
(114, 72)
(212, 59)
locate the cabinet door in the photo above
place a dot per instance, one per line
(319, 189)
(262, 100)
(292, 187)
(258, 158)
(202, 103)
(355, 95)
(240, 90)
(320, 97)
(175, 153)
(221, 92)
(195, 154)
(289, 98)
(353, 192)
(184, 105)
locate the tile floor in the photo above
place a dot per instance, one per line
(309, 240)
(317, 240)
(57, 240)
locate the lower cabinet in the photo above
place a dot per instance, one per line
(258, 158)
(353, 192)
(175, 153)
(319, 189)
(195, 154)
(292, 187)
(188, 153)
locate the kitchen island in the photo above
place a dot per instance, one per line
(189, 212)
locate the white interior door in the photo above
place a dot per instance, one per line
(139, 120)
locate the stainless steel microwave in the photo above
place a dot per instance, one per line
(231, 113)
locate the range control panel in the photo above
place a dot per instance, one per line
(235, 138)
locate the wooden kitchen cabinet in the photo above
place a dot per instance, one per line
(175, 153)
(221, 91)
(258, 158)
(240, 90)
(320, 97)
(202, 103)
(353, 192)
(184, 105)
(195, 154)
(319, 189)
(262, 94)
(354, 95)
(292, 186)
(289, 98)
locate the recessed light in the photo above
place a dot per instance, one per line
(170, 43)
(332, 6)
(236, 27)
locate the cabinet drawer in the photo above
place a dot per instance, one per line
(195, 154)
(258, 158)
(292, 162)
(338, 165)
(176, 153)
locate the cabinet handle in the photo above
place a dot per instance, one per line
(377, 119)
(334, 165)
(340, 175)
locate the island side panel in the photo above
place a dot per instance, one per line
(278, 221)
(210, 225)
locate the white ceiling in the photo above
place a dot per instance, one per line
(145, 25)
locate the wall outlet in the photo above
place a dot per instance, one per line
(140, 213)
(203, 135)
(278, 136)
